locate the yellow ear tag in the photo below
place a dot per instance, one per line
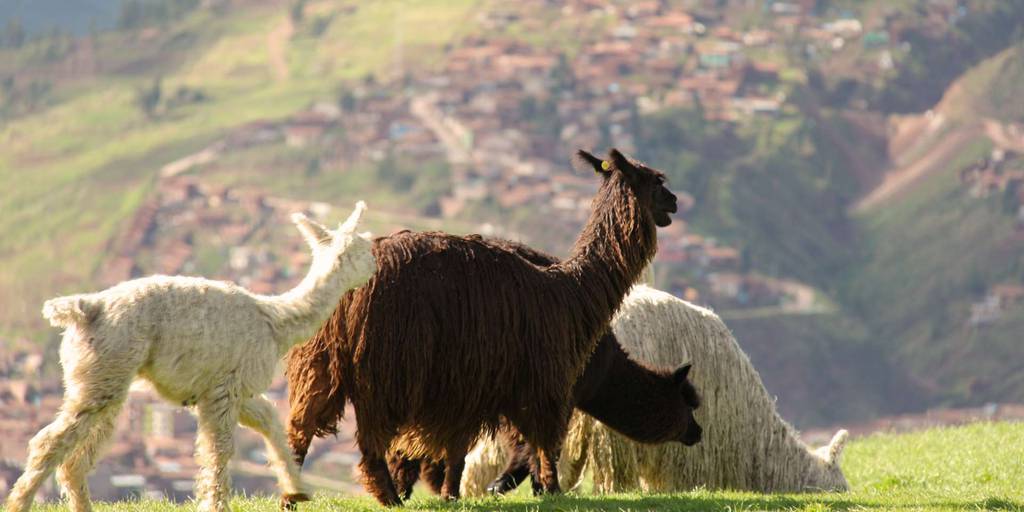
(605, 165)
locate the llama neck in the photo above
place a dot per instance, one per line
(610, 254)
(780, 461)
(806, 470)
(298, 312)
(614, 387)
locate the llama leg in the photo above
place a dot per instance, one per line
(433, 473)
(547, 462)
(50, 447)
(377, 480)
(72, 473)
(373, 445)
(534, 469)
(259, 414)
(96, 388)
(404, 472)
(455, 463)
(215, 444)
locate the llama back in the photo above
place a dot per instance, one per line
(447, 356)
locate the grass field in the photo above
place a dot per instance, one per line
(977, 467)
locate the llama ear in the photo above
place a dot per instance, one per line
(681, 373)
(621, 162)
(352, 222)
(315, 234)
(835, 447)
(600, 166)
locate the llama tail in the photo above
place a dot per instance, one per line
(73, 310)
(316, 393)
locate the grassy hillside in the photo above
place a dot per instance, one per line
(75, 169)
(977, 467)
(936, 249)
(903, 272)
(992, 89)
(79, 154)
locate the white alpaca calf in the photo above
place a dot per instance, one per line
(206, 343)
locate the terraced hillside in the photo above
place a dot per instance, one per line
(76, 167)
(942, 242)
(897, 227)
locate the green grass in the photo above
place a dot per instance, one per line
(977, 467)
(992, 87)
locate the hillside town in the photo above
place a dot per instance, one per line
(491, 115)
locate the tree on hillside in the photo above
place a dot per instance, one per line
(131, 14)
(1011, 197)
(298, 11)
(140, 13)
(148, 98)
(14, 34)
(347, 101)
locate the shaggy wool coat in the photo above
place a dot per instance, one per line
(747, 446)
(455, 334)
(208, 344)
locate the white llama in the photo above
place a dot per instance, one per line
(210, 344)
(747, 445)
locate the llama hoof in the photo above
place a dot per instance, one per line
(501, 485)
(390, 502)
(291, 501)
(545, 491)
(553, 489)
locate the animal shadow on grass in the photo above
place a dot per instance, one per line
(700, 502)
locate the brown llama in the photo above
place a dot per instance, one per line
(645, 405)
(454, 333)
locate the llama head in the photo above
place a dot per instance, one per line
(646, 183)
(825, 474)
(342, 246)
(687, 430)
(669, 415)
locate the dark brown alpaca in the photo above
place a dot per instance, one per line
(644, 405)
(453, 334)
(648, 406)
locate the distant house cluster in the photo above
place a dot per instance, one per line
(997, 300)
(229, 224)
(1002, 174)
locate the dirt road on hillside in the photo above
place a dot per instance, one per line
(898, 179)
(277, 43)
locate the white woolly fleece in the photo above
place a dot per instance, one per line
(746, 444)
(210, 344)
